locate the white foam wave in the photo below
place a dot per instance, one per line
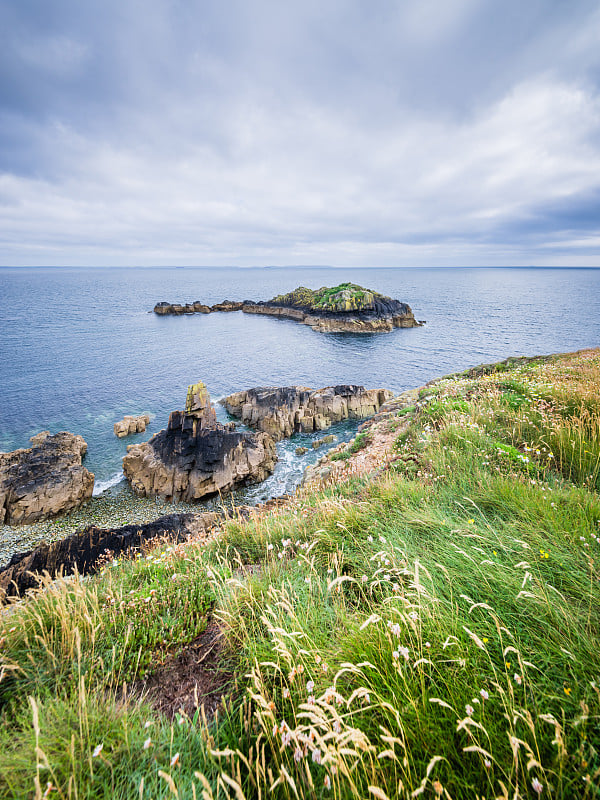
(102, 486)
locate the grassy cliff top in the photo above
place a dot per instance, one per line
(426, 626)
(344, 297)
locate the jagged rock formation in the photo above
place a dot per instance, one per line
(130, 424)
(82, 550)
(346, 308)
(196, 456)
(282, 411)
(41, 481)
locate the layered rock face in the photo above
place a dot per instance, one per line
(282, 411)
(196, 456)
(82, 550)
(346, 308)
(131, 424)
(45, 479)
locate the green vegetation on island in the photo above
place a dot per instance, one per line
(344, 297)
(427, 629)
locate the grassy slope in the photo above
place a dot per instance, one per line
(431, 630)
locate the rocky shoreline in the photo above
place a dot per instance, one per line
(343, 309)
(194, 457)
(282, 411)
(86, 550)
(113, 509)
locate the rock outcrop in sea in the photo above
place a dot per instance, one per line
(131, 424)
(347, 308)
(83, 551)
(285, 410)
(42, 481)
(195, 456)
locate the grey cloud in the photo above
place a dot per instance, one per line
(342, 131)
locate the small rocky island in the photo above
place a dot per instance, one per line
(195, 456)
(346, 308)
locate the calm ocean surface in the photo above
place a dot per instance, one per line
(79, 348)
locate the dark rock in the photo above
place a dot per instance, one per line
(43, 480)
(82, 550)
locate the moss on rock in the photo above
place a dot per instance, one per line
(343, 298)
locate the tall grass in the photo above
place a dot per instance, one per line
(429, 631)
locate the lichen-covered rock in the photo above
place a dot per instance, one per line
(131, 424)
(196, 456)
(42, 481)
(82, 550)
(283, 411)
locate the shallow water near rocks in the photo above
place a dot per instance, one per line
(80, 348)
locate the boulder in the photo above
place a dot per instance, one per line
(282, 411)
(45, 479)
(195, 456)
(84, 550)
(131, 424)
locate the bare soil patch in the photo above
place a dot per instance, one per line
(196, 678)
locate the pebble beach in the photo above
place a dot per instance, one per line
(114, 508)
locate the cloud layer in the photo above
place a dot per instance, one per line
(343, 133)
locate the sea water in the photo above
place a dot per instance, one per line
(80, 348)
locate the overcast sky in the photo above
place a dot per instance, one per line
(250, 132)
